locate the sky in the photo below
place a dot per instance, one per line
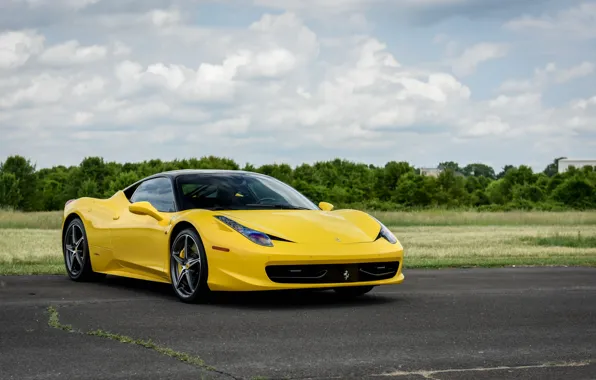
(502, 82)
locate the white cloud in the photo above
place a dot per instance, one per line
(579, 71)
(42, 89)
(228, 127)
(320, 5)
(582, 104)
(164, 18)
(16, 47)
(492, 125)
(471, 57)
(142, 112)
(517, 102)
(515, 85)
(173, 75)
(287, 30)
(71, 4)
(546, 76)
(278, 87)
(83, 118)
(120, 49)
(92, 86)
(339, 6)
(272, 63)
(575, 22)
(72, 53)
(581, 116)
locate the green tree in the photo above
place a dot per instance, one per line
(506, 168)
(450, 165)
(89, 188)
(24, 172)
(576, 192)
(388, 179)
(479, 170)
(395, 185)
(10, 196)
(553, 167)
(451, 189)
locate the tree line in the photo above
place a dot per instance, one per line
(394, 186)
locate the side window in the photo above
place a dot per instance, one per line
(158, 192)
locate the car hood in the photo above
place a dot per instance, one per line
(310, 226)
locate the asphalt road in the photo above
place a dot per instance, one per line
(523, 323)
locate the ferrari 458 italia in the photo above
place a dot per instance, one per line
(217, 230)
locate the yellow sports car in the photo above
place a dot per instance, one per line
(220, 230)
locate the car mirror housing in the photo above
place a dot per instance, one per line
(145, 208)
(325, 206)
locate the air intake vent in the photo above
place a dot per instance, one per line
(331, 273)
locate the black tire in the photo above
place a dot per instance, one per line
(75, 270)
(353, 291)
(201, 293)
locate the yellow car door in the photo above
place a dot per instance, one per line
(138, 232)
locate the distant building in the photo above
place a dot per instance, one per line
(433, 172)
(566, 163)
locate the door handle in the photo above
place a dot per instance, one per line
(116, 217)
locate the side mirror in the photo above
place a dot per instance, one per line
(325, 206)
(145, 208)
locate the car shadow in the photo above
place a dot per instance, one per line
(292, 299)
(275, 299)
(148, 288)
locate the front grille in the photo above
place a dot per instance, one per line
(331, 273)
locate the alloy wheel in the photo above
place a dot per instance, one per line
(74, 242)
(186, 265)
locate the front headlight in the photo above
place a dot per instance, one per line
(388, 235)
(255, 236)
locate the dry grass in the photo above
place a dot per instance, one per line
(492, 246)
(39, 220)
(472, 218)
(39, 251)
(24, 251)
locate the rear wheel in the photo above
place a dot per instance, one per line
(76, 253)
(188, 267)
(353, 291)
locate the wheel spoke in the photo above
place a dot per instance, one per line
(178, 259)
(179, 279)
(192, 262)
(69, 260)
(79, 260)
(189, 280)
(78, 243)
(186, 254)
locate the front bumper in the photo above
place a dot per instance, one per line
(313, 266)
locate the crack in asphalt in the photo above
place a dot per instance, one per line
(54, 322)
(429, 374)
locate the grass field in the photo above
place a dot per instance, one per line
(30, 243)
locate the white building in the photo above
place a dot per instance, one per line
(433, 172)
(564, 164)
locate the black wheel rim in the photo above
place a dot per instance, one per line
(185, 265)
(74, 249)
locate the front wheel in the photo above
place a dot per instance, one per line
(188, 267)
(353, 291)
(76, 253)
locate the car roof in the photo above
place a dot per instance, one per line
(173, 174)
(177, 173)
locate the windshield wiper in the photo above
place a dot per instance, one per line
(279, 206)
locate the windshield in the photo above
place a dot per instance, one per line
(241, 191)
